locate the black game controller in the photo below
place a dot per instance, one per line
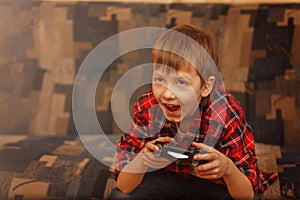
(169, 150)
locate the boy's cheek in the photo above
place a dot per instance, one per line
(157, 90)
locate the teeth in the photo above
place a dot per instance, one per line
(170, 105)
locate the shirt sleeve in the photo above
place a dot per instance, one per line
(238, 144)
(133, 140)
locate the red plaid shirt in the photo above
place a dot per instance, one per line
(235, 141)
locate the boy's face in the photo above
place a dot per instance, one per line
(178, 92)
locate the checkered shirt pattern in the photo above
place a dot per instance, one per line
(235, 141)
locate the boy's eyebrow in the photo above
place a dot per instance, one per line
(177, 75)
(186, 77)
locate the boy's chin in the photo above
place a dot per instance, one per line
(173, 119)
(178, 119)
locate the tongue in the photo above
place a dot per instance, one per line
(173, 108)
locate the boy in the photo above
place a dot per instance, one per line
(188, 106)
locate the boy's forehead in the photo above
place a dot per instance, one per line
(168, 69)
(164, 68)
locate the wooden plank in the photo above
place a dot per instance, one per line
(233, 48)
(291, 132)
(23, 188)
(59, 29)
(246, 48)
(257, 54)
(182, 17)
(48, 159)
(263, 97)
(190, 1)
(123, 14)
(69, 150)
(290, 13)
(5, 139)
(295, 59)
(267, 155)
(61, 126)
(286, 104)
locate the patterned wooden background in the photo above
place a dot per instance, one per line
(62, 168)
(42, 45)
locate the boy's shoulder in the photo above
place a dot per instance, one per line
(224, 102)
(223, 97)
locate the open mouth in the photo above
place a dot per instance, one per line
(172, 108)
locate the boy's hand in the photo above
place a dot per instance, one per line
(218, 164)
(150, 159)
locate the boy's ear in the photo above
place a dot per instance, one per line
(208, 86)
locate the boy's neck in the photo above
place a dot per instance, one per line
(184, 125)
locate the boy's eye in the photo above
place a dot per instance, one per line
(182, 83)
(159, 80)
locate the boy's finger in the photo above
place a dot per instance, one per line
(206, 156)
(166, 139)
(203, 147)
(152, 146)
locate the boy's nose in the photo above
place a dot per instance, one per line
(168, 94)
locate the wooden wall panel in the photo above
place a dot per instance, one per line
(44, 44)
